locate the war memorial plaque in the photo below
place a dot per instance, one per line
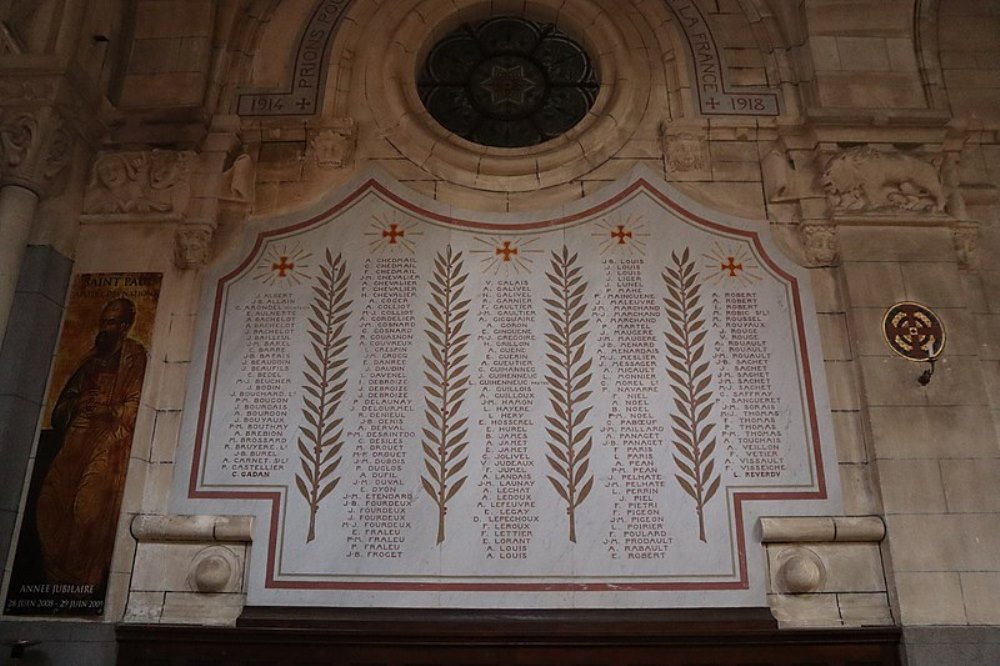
(581, 409)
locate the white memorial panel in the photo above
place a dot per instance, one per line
(586, 408)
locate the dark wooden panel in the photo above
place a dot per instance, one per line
(520, 638)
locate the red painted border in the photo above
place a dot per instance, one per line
(738, 498)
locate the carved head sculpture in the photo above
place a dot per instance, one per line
(192, 247)
(333, 146)
(112, 171)
(685, 152)
(820, 244)
(166, 169)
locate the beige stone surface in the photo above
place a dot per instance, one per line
(825, 56)
(849, 567)
(911, 486)
(741, 199)
(899, 243)
(197, 608)
(946, 542)
(178, 347)
(930, 598)
(865, 609)
(169, 395)
(861, 496)
(933, 432)
(970, 486)
(848, 431)
(981, 590)
(805, 610)
(826, 288)
(884, 90)
(835, 338)
(893, 381)
(163, 566)
(936, 284)
(166, 434)
(857, 17)
(159, 481)
(863, 53)
(144, 606)
(842, 383)
(873, 284)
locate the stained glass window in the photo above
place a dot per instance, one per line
(508, 82)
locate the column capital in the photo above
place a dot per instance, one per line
(36, 145)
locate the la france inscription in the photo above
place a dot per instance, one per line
(586, 409)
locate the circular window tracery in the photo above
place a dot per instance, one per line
(508, 82)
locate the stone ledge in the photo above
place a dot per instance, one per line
(217, 529)
(822, 529)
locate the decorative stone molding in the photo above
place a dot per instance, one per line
(140, 183)
(35, 147)
(819, 242)
(784, 179)
(193, 246)
(220, 529)
(865, 180)
(188, 569)
(826, 571)
(214, 569)
(331, 145)
(837, 529)
(238, 181)
(800, 571)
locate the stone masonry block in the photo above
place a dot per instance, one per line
(932, 432)
(863, 54)
(911, 486)
(930, 598)
(964, 483)
(981, 590)
(952, 542)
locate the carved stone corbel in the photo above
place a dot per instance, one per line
(785, 180)
(35, 147)
(686, 150)
(193, 245)
(819, 242)
(965, 236)
(331, 144)
(140, 183)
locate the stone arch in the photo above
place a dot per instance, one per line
(620, 42)
(958, 52)
(241, 46)
(925, 42)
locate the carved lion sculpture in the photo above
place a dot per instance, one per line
(865, 179)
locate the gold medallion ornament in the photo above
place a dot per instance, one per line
(913, 331)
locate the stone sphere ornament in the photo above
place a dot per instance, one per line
(212, 570)
(801, 571)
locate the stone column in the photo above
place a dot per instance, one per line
(35, 147)
(17, 210)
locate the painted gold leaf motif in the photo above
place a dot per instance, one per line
(447, 372)
(568, 377)
(322, 438)
(690, 381)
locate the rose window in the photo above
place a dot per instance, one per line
(508, 82)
